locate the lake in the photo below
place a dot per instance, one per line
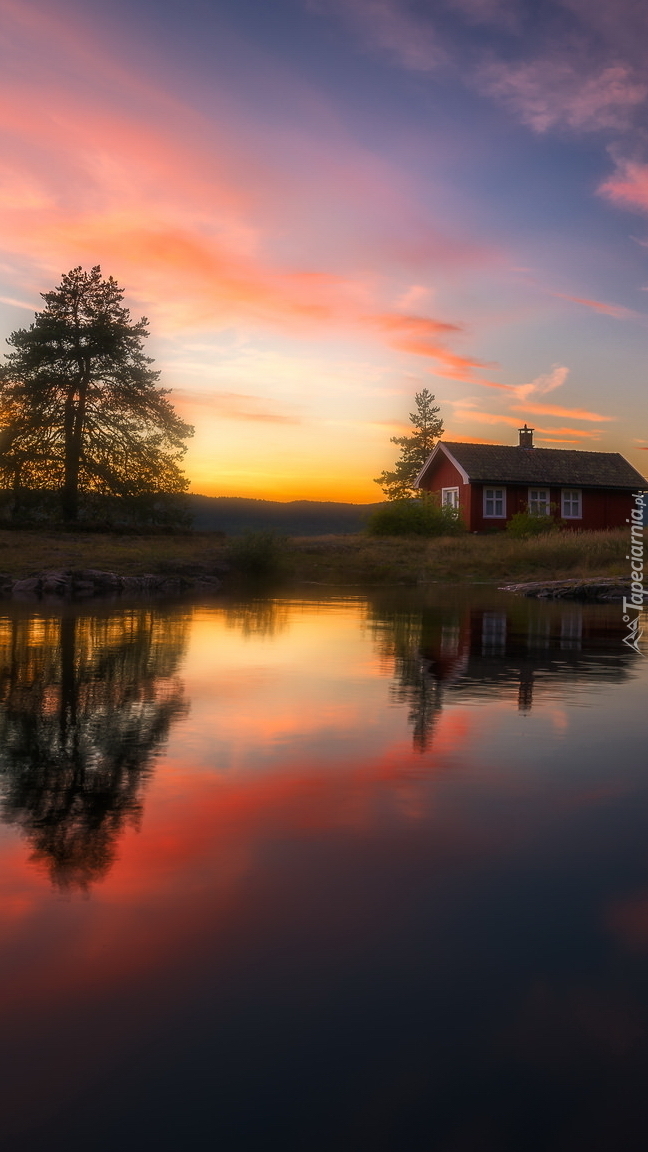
(364, 872)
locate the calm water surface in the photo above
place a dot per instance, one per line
(346, 874)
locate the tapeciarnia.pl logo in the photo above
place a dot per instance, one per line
(633, 608)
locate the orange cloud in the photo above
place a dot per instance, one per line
(418, 335)
(493, 418)
(486, 417)
(544, 383)
(230, 406)
(579, 432)
(554, 410)
(460, 438)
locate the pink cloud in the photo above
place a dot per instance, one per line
(19, 303)
(628, 186)
(188, 216)
(615, 310)
(549, 93)
(388, 27)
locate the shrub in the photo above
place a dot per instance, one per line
(258, 553)
(525, 524)
(414, 518)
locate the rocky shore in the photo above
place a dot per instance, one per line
(602, 590)
(86, 583)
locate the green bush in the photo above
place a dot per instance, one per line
(414, 518)
(525, 524)
(258, 553)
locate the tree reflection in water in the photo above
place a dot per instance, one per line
(86, 702)
(399, 639)
(259, 618)
(467, 642)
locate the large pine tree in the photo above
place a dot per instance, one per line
(80, 410)
(415, 449)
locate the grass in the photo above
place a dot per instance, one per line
(331, 559)
(460, 558)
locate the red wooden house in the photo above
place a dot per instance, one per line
(489, 483)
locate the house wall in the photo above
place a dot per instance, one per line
(606, 509)
(445, 475)
(602, 508)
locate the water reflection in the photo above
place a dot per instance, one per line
(85, 704)
(322, 939)
(263, 617)
(490, 644)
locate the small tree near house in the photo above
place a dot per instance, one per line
(414, 449)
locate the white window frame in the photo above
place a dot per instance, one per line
(453, 502)
(534, 500)
(494, 500)
(494, 629)
(570, 493)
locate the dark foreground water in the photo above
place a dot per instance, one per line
(362, 874)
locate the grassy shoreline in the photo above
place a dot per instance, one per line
(332, 560)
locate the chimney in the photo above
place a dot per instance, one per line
(526, 437)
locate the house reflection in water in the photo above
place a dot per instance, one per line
(497, 645)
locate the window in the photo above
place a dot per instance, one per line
(495, 503)
(571, 504)
(539, 501)
(493, 633)
(571, 630)
(450, 497)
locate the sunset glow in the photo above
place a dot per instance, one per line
(324, 207)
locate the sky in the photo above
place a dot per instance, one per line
(325, 206)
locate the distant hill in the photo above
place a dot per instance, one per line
(236, 514)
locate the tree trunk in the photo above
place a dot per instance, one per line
(69, 690)
(70, 490)
(17, 495)
(74, 422)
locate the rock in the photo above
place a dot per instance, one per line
(27, 587)
(128, 583)
(606, 588)
(98, 579)
(55, 584)
(84, 588)
(87, 582)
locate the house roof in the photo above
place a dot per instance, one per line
(509, 464)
